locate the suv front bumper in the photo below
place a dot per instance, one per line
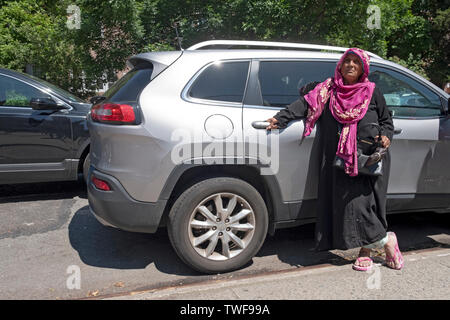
(117, 209)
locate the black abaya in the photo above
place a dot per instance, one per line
(351, 211)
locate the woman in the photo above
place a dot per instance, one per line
(351, 207)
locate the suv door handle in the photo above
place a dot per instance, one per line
(397, 130)
(260, 124)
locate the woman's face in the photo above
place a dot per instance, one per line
(351, 68)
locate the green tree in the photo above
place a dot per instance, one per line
(33, 33)
(414, 33)
(79, 60)
(110, 33)
(437, 57)
(24, 29)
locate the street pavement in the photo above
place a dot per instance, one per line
(51, 247)
(426, 275)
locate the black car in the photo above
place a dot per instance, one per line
(43, 131)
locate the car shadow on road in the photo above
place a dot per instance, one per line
(107, 247)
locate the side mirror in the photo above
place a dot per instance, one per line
(44, 104)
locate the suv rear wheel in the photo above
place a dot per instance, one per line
(218, 224)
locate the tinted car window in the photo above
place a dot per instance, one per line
(16, 93)
(280, 81)
(223, 81)
(129, 87)
(404, 96)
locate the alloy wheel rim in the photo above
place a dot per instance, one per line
(221, 226)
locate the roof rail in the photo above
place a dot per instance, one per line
(231, 43)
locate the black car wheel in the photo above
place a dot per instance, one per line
(218, 224)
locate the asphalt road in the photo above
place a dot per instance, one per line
(51, 247)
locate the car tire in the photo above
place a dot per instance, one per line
(207, 244)
(86, 165)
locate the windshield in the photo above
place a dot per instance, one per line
(56, 89)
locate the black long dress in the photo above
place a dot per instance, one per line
(351, 211)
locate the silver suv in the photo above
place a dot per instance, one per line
(180, 141)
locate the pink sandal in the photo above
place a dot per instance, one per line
(397, 255)
(360, 268)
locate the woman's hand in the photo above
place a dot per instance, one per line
(385, 142)
(273, 124)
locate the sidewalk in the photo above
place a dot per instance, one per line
(426, 275)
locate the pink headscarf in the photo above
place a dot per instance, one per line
(348, 104)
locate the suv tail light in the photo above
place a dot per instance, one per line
(113, 113)
(100, 184)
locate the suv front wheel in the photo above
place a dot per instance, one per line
(218, 224)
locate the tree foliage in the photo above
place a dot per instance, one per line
(414, 33)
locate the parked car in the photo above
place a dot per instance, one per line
(43, 131)
(161, 141)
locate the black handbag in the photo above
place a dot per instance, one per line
(370, 154)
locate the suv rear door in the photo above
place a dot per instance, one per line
(218, 91)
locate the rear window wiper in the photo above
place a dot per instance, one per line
(97, 99)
